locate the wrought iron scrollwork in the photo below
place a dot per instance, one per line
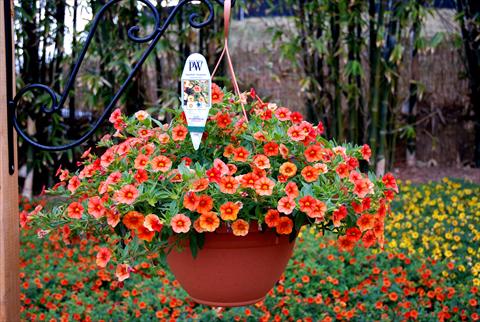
(57, 101)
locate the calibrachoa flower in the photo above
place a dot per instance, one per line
(240, 227)
(180, 223)
(103, 257)
(149, 187)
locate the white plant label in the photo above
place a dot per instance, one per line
(196, 96)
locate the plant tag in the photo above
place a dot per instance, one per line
(196, 96)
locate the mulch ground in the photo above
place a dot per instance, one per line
(423, 175)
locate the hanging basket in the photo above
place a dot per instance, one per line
(232, 270)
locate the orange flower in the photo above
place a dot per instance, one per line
(270, 149)
(103, 257)
(366, 152)
(163, 138)
(229, 210)
(248, 180)
(221, 167)
(73, 184)
(283, 114)
(175, 176)
(213, 175)
(153, 223)
(310, 174)
(205, 204)
(228, 152)
(393, 296)
(259, 136)
(288, 169)
(161, 163)
(272, 218)
(284, 151)
(127, 194)
(209, 221)
(264, 187)
(286, 205)
(190, 201)
(145, 234)
(261, 161)
(291, 189)
(107, 158)
(345, 243)
(196, 226)
(389, 181)
(307, 204)
(180, 223)
(240, 154)
(363, 187)
(296, 117)
(113, 217)
(240, 227)
(228, 185)
(141, 176)
(296, 133)
(200, 185)
(321, 167)
(232, 169)
(141, 161)
(339, 215)
(369, 239)
(313, 153)
(343, 170)
(318, 210)
(179, 133)
(366, 222)
(223, 120)
(95, 207)
(75, 210)
(284, 226)
(217, 94)
(133, 220)
(122, 272)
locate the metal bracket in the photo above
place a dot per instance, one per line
(57, 101)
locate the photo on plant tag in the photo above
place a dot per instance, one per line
(196, 94)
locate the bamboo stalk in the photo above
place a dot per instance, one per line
(337, 123)
(375, 20)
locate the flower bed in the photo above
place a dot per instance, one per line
(320, 283)
(441, 221)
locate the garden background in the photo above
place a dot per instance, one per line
(402, 76)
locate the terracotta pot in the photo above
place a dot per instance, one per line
(232, 271)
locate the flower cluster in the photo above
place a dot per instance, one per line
(274, 170)
(440, 220)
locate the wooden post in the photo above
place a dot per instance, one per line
(9, 219)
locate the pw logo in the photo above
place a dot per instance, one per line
(196, 65)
